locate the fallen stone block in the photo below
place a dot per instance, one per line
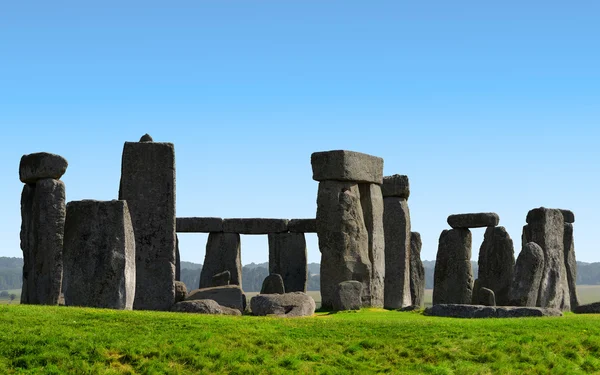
(591, 308)
(478, 311)
(204, 306)
(285, 305)
(229, 296)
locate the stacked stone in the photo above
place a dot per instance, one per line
(43, 213)
(396, 223)
(148, 186)
(349, 223)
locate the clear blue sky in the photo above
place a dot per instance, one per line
(485, 106)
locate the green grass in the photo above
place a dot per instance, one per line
(6, 300)
(53, 340)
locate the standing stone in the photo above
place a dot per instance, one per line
(453, 276)
(222, 254)
(571, 264)
(528, 276)
(148, 186)
(273, 284)
(487, 297)
(496, 263)
(180, 291)
(546, 227)
(396, 219)
(371, 201)
(287, 257)
(347, 296)
(99, 255)
(417, 271)
(177, 261)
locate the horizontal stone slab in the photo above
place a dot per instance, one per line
(569, 216)
(592, 308)
(303, 226)
(255, 226)
(41, 165)
(478, 311)
(474, 220)
(395, 186)
(342, 165)
(199, 224)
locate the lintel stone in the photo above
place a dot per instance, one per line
(303, 226)
(474, 220)
(41, 165)
(342, 165)
(255, 226)
(199, 224)
(395, 186)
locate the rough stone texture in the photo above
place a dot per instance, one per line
(487, 297)
(527, 276)
(417, 271)
(229, 296)
(255, 226)
(396, 220)
(287, 257)
(148, 186)
(180, 291)
(302, 225)
(221, 279)
(371, 201)
(496, 263)
(477, 311)
(42, 232)
(285, 305)
(347, 296)
(99, 255)
(569, 216)
(571, 264)
(341, 165)
(546, 228)
(475, 294)
(222, 254)
(592, 308)
(204, 306)
(343, 239)
(396, 186)
(146, 138)
(272, 284)
(41, 165)
(453, 276)
(199, 224)
(177, 261)
(475, 220)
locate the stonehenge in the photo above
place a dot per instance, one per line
(496, 263)
(417, 271)
(453, 275)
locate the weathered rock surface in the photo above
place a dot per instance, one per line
(487, 297)
(148, 186)
(229, 296)
(496, 263)
(41, 165)
(302, 225)
(255, 226)
(347, 296)
(204, 306)
(199, 224)
(341, 165)
(272, 284)
(180, 291)
(569, 216)
(474, 220)
(477, 311)
(527, 276)
(571, 264)
(285, 305)
(417, 271)
(591, 308)
(177, 261)
(396, 220)
(453, 276)
(287, 257)
(146, 138)
(99, 255)
(222, 254)
(221, 279)
(395, 186)
(371, 201)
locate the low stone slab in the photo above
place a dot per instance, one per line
(180, 291)
(255, 226)
(285, 305)
(569, 216)
(592, 308)
(395, 186)
(40, 165)
(273, 284)
(204, 306)
(478, 311)
(347, 296)
(342, 165)
(221, 278)
(302, 225)
(199, 224)
(228, 296)
(474, 220)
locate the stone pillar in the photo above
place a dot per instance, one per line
(349, 223)
(99, 255)
(453, 276)
(396, 220)
(222, 254)
(148, 186)
(42, 227)
(287, 257)
(570, 260)
(177, 260)
(527, 276)
(417, 271)
(496, 264)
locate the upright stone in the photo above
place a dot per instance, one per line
(273, 284)
(287, 257)
(417, 271)
(527, 276)
(496, 263)
(571, 264)
(177, 260)
(396, 219)
(148, 186)
(453, 276)
(222, 254)
(99, 255)
(371, 201)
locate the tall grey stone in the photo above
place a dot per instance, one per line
(527, 276)
(453, 276)
(371, 201)
(571, 264)
(546, 227)
(148, 186)
(272, 284)
(99, 255)
(177, 260)
(287, 257)
(222, 254)
(396, 219)
(496, 263)
(417, 271)
(42, 233)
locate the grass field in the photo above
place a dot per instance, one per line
(6, 300)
